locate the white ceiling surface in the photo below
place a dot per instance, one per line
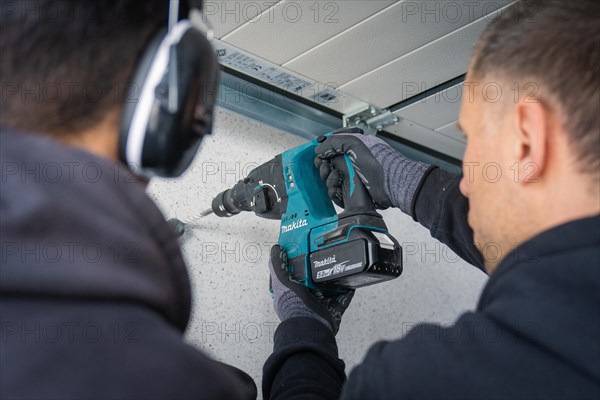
(431, 122)
(293, 28)
(378, 51)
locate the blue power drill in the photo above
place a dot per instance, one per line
(325, 250)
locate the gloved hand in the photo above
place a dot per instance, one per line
(291, 299)
(391, 178)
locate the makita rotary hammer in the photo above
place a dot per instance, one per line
(325, 249)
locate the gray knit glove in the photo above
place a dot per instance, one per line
(290, 299)
(391, 178)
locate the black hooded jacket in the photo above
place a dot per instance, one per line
(534, 335)
(94, 292)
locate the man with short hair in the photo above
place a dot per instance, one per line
(534, 228)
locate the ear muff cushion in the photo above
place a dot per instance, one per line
(173, 139)
(133, 92)
(197, 112)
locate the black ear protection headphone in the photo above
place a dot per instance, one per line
(177, 81)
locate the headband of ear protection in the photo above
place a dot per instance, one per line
(177, 81)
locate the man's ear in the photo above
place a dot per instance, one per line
(532, 134)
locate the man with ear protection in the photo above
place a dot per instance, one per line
(94, 292)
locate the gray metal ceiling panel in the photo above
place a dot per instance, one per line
(437, 110)
(293, 27)
(429, 138)
(227, 15)
(438, 61)
(386, 36)
(451, 130)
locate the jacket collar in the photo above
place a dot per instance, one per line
(567, 237)
(547, 292)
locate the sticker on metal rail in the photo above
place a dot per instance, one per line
(276, 75)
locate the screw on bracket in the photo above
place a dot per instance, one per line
(373, 119)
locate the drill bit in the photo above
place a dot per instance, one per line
(198, 216)
(179, 225)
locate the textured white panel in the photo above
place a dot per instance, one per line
(422, 69)
(437, 141)
(385, 36)
(437, 110)
(227, 15)
(451, 130)
(292, 27)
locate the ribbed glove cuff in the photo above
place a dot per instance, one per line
(402, 176)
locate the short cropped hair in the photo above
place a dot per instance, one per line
(556, 43)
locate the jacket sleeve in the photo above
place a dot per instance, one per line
(439, 206)
(304, 363)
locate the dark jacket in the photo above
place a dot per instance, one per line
(94, 293)
(535, 333)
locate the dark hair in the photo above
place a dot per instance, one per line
(556, 44)
(65, 64)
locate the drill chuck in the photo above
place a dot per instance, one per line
(225, 204)
(253, 194)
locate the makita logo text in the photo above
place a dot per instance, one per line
(294, 225)
(327, 261)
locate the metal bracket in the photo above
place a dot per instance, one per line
(371, 119)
